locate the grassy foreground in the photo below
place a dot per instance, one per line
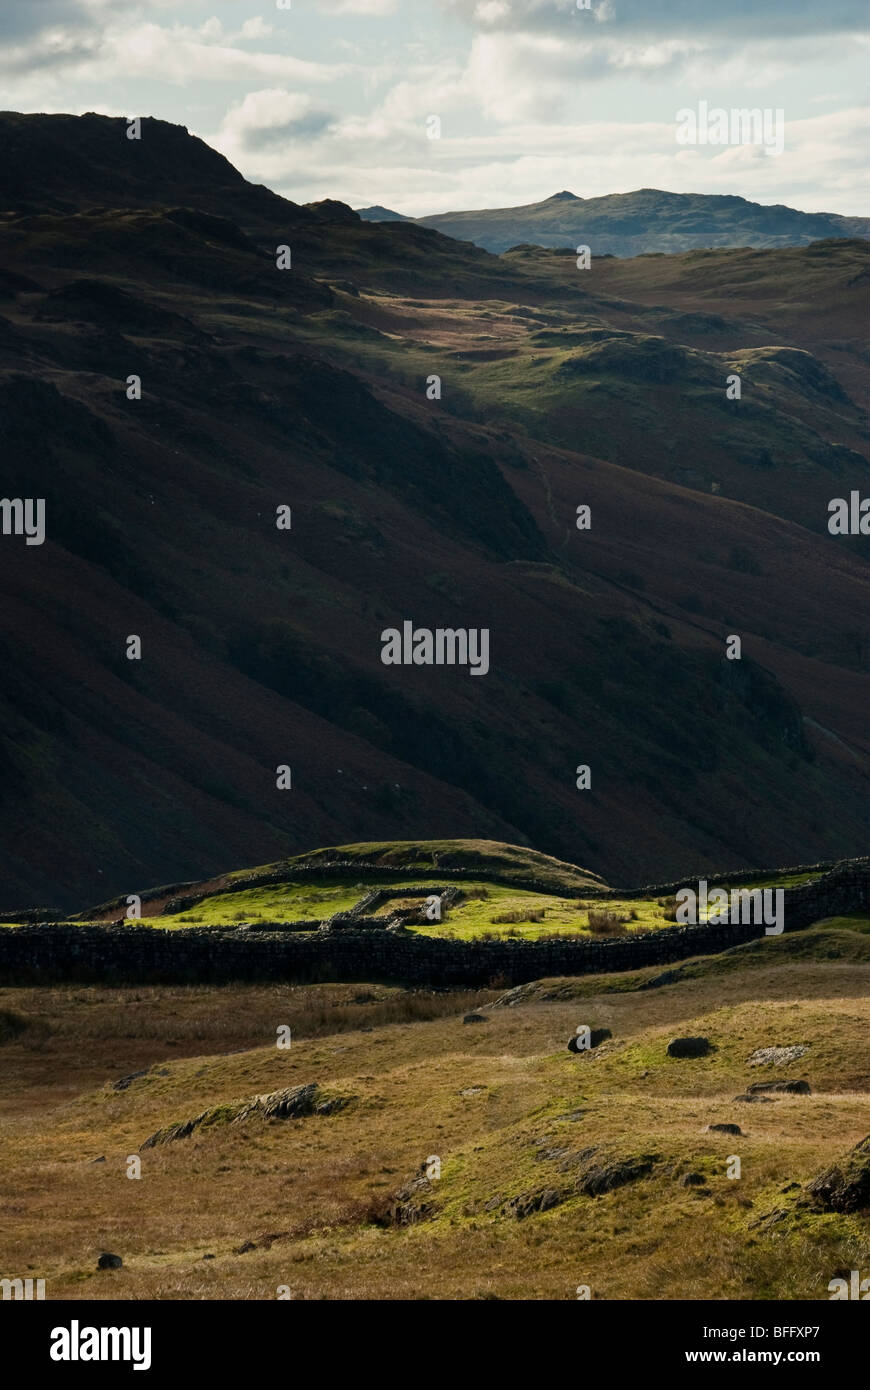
(303, 1204)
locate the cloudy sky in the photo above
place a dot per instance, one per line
(331, 98)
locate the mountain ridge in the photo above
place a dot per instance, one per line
(310, 388)
(644, 221)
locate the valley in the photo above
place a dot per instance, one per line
(307, 389)
(434, 674)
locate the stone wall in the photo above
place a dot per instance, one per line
(178, 901)
(134, 952)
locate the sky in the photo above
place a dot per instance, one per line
(334, 98)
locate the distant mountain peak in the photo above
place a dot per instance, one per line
(377, 213)
(331, 210)
(642, 221)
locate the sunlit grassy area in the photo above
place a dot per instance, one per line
(488, 908)
(522, 914)
(508, 1111)
(782, 880)
(533, 915)
(277, 902)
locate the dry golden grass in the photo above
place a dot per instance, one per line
(488, 1099)
(604, 922)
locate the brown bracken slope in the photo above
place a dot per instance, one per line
(307, 388)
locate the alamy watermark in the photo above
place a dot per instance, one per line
(762, 906)
(852, 1288)
(441, 646)
(23, 516)
(739, 126)
(849, 516)
(77, 1343)
(22, 1290)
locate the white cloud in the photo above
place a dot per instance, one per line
(256, 28)
(268, 118)
(491, 11)
(173, 54)
(376, 161)
(375, 8)
(740, 21)
(162, 54)
(534, 95)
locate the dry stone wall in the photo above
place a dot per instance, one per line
(137, 953)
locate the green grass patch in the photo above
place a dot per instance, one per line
(479, 917)
(277, 902)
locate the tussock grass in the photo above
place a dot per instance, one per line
(12, 1024)
(606, 922)
(492, 1101)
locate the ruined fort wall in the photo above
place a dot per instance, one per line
(136, 952)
